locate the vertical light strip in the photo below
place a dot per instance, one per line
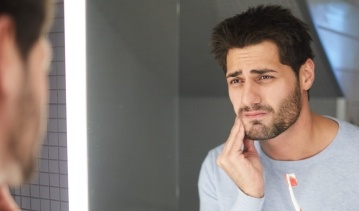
(76, 103)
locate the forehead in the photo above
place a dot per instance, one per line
(258, 56)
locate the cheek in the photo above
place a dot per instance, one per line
(39, 65)
(276, 95)
(235, 98)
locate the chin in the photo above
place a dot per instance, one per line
(259, 131)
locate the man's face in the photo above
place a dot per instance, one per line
(265, 94)
(29, 112)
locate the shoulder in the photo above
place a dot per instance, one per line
(350, 127)
(347, 129)
(209, 169)
(212, 155)
(347, 137)
(216, 151)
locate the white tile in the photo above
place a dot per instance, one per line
(52, 39)
(54, 193)
(60, 53)
(53, 139)
(52, 111)
(61, 111)
(46, 139)
(35, 191)
(44, 179)
(35, 204)
(60, 39)
(62, 153)
(62, 139)
(61, 96)
(53, 166)
(45, 205)
(52, 125)
(25, 190)
(25, 203)
(61, 83)
(60, 66)
(55, 52)
(63, 181)
(64, 206)
(35, 178)
(62, 125)
(53, 82)
(59, 25)
(43, 166)
(53, 68)
(55, 206)
(18, 199)
(64, 194)
(63, 167)
(55, 180)
(53, 153)
(44, 192)
(53, 96)
(44, 152)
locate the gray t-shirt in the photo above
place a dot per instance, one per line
(326, 181)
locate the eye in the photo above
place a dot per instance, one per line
(234, 81)
(265, 77)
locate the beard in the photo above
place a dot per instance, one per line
(283, 118)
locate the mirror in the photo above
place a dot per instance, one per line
(156, 100)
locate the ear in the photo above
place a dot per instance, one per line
(9, 63)
(9, 55)
(307, 74)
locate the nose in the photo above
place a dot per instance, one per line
(250, 94)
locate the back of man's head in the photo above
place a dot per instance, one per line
(31, 19)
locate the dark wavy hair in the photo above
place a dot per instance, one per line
(261, 23)
(31, 19)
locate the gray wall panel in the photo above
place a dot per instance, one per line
(132, 101)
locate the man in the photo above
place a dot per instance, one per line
(24, 60)
(299, 160)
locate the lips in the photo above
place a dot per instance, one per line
(254, 114)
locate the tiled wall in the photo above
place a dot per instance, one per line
(337, 21)
(48, 191)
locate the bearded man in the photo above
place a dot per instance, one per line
(279, 155)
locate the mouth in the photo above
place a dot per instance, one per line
(252, 115)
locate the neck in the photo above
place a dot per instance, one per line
(308, 136)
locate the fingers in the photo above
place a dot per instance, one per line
(234, 143)
(238, 140)
(243, 167)
(249, 146)
(235, 139)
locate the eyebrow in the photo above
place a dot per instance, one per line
(258, 72)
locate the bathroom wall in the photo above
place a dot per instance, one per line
(337, 20)
(48, 191)
(132, 74)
